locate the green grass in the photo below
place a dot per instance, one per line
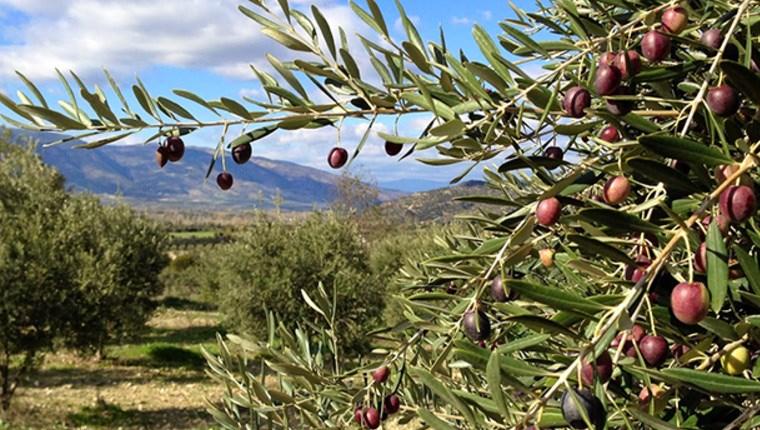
(203, 234)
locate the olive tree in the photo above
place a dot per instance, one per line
(615, 283)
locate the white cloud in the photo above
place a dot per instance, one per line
(398, 25)
(487, 15)
(461, 20)
(128, 37)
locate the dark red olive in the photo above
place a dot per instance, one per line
(690, 302)
(738, 203)
(242, 153)
(607, 80)
(654, 350)
(700, 258)
(674, 19)
(224, 180)
(602, 367)
(392, 404)
(724, 224)
(372, 418)
(607, 59)
(621, 107)
(161, 156)
(381, 374)
(500, 292)
(629, 63)
(576, 100)
(392, 148)
(723, 100)
(712, 38)
(548, 211)
(337, 158)
(616, 190)
(610, 134)
(358, 414)
(638, 270)
(655, 46)
(175, 148)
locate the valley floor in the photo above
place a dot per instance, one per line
(156, 382)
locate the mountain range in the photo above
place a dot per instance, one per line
(130, 173)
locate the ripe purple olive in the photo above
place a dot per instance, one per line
(690, 302)
(610, 134)
(242, 153)
(722, 173)
(712, 38)
(620, 107)
(358, 414)
(554, 152)
(738, 203)
(372, 418)
(700, 258)
(607, 80)
(161, 156)
(224, 180)
(392, 404)
(629, 63)
(175, 148)
(337, 157)
(679, 349)
(638, 270)
(723, 100)
(500, 292)
(381, 374)
(724, 224)
(548, 211)
(585, 399)
(674, 19)
(476, 325)
(616, 190)
(655, 46)
(654, 350)
(576, 100)
(602, 367)
(392, 149)
(607, 59)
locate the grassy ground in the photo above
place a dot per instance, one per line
(155, 382)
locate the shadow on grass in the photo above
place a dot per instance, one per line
(105, 415)
(78, 377)
(160, 355)
(189, 335)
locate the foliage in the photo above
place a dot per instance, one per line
(677, 120)
(322, 249)
(70, 269)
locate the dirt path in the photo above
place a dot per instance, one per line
(154, 383)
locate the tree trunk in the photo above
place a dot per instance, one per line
(5, 392)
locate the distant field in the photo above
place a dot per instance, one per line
(204, 234)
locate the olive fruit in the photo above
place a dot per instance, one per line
(548, 211)
(629, 63)
(476, 325)
(372, 418)
(392, 404)
(175, 148)
(607, 59)
(736, 361)
(337, 157)
(616, 190)
(620, 107)
(500, 292)
(554, 152)
(547, 257)
(674, 19)
(690, 302)
(224, 180)
(607, 80)
(392, 148)
(576, 100)
(738, 203)
(700, 258)
(381, 374)
(162, 157)
(655, 46)
(723, 100)
(610, 134)
(638, 270)
(602, 367)
(591, 405)
(242, 153)
(654, 350)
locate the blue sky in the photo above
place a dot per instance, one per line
(206, 46)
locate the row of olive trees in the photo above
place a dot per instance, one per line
(72, 272)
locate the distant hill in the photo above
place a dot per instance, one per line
(439, 204)
(129, 172)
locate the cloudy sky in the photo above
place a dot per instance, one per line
(207, 46)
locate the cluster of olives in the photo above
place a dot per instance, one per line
(371, 417)
(174, 149)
